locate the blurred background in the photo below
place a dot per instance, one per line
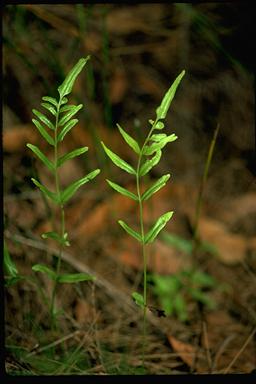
(136, 51)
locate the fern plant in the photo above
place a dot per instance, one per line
(54, 129)
(149, 155)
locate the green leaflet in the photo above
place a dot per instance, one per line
(159, 225)
(50, 108)
(74, 278)
(66, 129)
(118, 161)
(44, 119)
(42, 157)
(138, 298)
(155, 187)
(71, 189)
(150, 149)
(158, 137)
(122, 190)
(70, 155)
(69, 114)
(44, 269)
(53, 196)
(159, 124)
(43, 132)
(149, 164)
(66, 87)
(55, 236)
(50, 100)
(129, 140)
(66, 108)
(162, 110)
(129, 230)
(10, 268)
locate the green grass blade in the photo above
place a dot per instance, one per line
(50, 100)
(46, 270)
(130, 231)
(66, 87)
(66, 129)
(155, 187)
(69, 114)
(162, 110)
(53, 196)
(10, 268)
(71, 155)
(159, 225)
(149, 164)
(71, 189)
(118, 161)
(44, 119)
(122, 190)
(50, 108)
(42, 157)
(74, 278)
(43, 132)
(129, 140)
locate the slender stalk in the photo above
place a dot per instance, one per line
(142, 232)
(203, 181)
(62, 224)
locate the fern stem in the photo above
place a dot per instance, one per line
(62, 224)
(142, 232)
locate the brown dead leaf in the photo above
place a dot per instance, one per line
(162, 259)
(83, 312)
(186, 351)
(124, 21)
(117, 86)
(15, 138)
(231, 247)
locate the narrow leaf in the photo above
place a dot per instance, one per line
(157, 137)
(64, 100)
(122, 190)
(50, 108)
(44, 119)
(55, 236)
(155, 187)
(150, 149)
(44, 269)
(66, 87)
(51, 195)
(50, 100)
(69, 114)
(74, 278)
(66, 129)
(129, 230)
(10, 268)
(129, 140)
(69, 191)
(149, 164)
(162, 110)
(138, 298)
(159, 225)
(70, 155)
(66, 108)
(118, 161)
(42, 157)
(43, 132)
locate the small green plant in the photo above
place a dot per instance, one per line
(54, 130)
(174, 292)
(149, 155)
